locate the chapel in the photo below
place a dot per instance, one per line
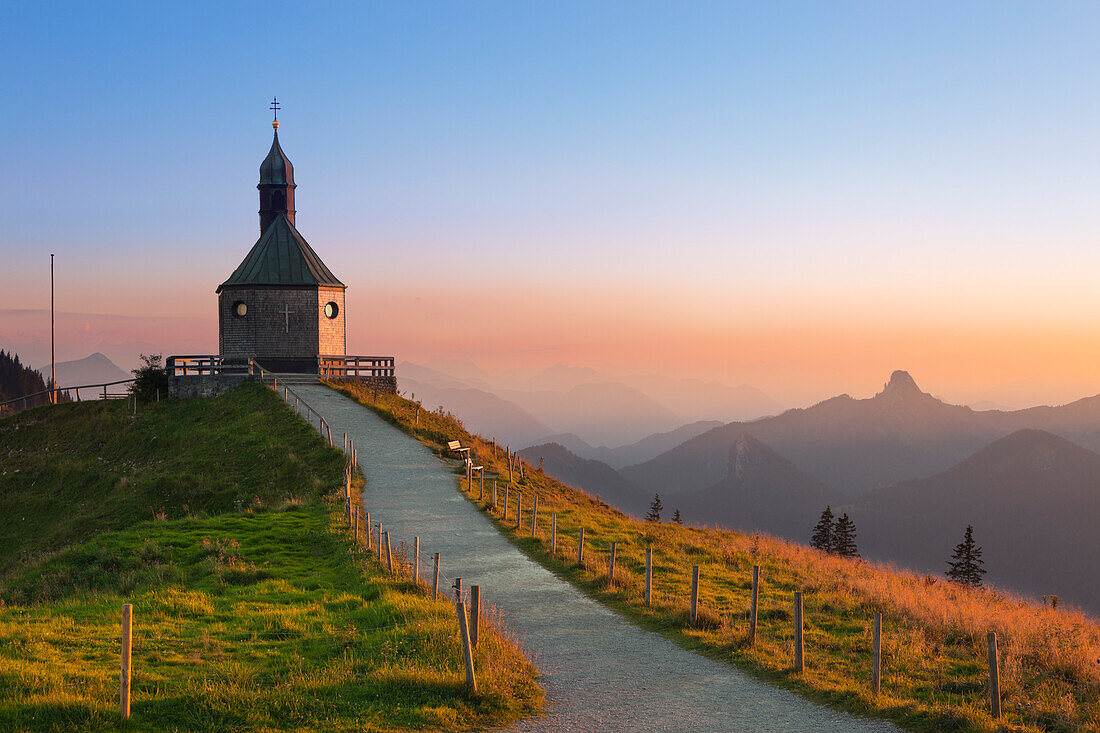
(282, 306)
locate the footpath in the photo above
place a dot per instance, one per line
(599, 671)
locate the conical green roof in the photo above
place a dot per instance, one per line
(281, 256)
(276, 168)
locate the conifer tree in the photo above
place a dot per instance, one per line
(676, 518)
(844, 537)
(965, 565)
(822, 537)
(655, 509)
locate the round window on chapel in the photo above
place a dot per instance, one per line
(331, 309)
(240, 309)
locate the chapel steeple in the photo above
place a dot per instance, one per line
(276, 184)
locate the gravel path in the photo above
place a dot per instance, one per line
(600, 672)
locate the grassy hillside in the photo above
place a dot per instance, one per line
(934, 639)
(219, 521)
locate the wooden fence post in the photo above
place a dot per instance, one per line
(994, 677)
(876, 655)
(611, 566)
(369, 543)
(519, 507)
(458, 590)
(416, 561)
(799, 660)
(580, 548)
(534, 515)
(389, 557)
(694, 593)
(435, 578)
(355, 524)
(127, 647)
(648, 575)
(504, 514)
(494, 493)
(553, 533)
(481, 497)
(475, 613)
(379, 542)
(752, 607)
(467, 651)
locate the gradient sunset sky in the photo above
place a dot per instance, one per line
(801, 196)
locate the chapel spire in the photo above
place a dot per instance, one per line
(276, 184)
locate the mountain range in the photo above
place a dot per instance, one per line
(858, 445)
(600, 411)
(921, 471)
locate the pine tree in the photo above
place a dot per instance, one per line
(655, 509)
(822, 537)
(676, 518)
(965, 565)
(844, 537)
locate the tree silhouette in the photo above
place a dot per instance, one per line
(655, 509)
(965, 565)
(844, 537)
(822, 537)
(676, 518)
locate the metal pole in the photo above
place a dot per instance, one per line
(53, 357)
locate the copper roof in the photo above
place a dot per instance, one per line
(281, 256)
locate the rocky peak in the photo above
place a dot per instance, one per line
(901, 385)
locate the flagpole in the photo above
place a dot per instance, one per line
(53, 357)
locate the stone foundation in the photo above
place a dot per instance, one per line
(385, 385)
(204, 385)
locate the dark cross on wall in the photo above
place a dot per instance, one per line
(286, 314)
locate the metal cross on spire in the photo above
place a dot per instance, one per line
(275, 106)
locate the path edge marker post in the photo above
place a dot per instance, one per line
(127, 648)
(876, 658)
(694, 594)
(467, 651)
(435, 578)
(755, 600)
(648, 576)
(994, 677)
(475, 613)
(799, 647)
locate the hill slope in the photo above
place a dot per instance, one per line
(253, 608)
(1034, 501)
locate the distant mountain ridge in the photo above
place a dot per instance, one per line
(590, 475)
(761, 491)
(856, 446)
(93, 369)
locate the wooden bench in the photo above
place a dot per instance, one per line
(456, 447)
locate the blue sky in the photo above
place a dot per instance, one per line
(895, 161)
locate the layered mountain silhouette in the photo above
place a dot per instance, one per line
(641, 450)
(761, 491)
(93, 369)
(1033, 498)
(480, 411)
(858, 445)
(594, 477)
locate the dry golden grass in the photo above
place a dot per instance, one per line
(934, 633)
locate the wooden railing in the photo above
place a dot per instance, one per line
(194, 366)
(98, 391)
(343, 365)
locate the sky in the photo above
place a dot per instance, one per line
(800, 196)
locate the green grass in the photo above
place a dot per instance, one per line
(934, 647)
(253, 609)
